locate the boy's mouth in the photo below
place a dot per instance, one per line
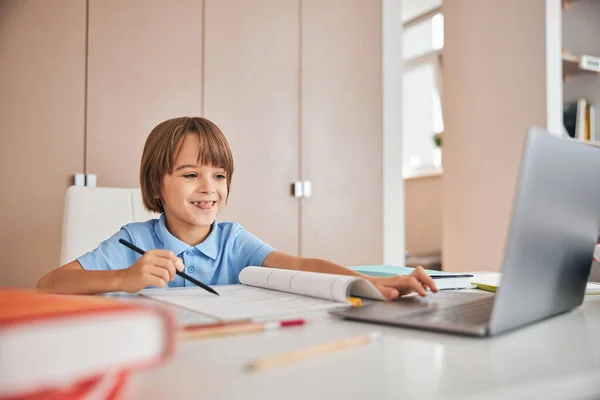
(204, 205)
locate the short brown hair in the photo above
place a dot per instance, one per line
(159, 152)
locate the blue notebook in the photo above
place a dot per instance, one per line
(392, 270)
(443, 280)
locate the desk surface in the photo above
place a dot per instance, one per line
(556, 358)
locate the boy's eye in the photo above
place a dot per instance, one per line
(190, 175)
(221, 176)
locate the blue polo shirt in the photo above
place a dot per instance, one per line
(218, 260)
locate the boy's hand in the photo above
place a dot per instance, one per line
(154, 268)
(395, 286)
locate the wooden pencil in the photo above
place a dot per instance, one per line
(194, 327)
(232, 329)
(308, 352)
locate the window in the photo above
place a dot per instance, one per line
(422, 110)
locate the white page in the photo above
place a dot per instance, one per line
(325, 286)
(239, 301)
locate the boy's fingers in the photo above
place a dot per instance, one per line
(416, 285)
(425, 279)
(388, 292)
(161, 273)
(164, 253)
(177, 262)
(432, 287)
(166, 264)
(158, 282)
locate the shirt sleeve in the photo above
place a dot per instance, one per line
(248, 250)
(110, 254)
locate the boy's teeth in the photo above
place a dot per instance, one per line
(205, 205)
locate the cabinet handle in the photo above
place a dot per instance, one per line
(79, 179)
(90, 180)
(307, 188)
(297, 189)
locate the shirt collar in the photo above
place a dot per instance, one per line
(209, 247)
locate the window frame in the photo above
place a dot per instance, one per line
(435, 58)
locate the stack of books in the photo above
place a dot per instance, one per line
(67, 347)
(443, 280)
(579, 118)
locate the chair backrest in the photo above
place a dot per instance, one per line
(93, 214)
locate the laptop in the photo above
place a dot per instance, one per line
(547, 255)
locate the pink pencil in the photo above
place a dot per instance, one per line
(190, 328)
(232, 329)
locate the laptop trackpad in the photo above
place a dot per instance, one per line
(405, 306)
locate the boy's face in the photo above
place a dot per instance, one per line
(193, 194)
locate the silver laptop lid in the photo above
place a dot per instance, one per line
(554, 228)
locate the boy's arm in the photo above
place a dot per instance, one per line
(71, 278)
(391, 287)
(277, 259)
(154, 268)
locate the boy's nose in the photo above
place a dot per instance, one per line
(206, 186)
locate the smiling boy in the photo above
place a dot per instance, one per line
(185, 175)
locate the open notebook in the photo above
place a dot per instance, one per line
(288, 292)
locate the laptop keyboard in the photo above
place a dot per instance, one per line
(475, 313)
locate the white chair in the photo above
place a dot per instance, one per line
(93, 214)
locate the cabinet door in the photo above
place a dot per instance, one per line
(251, 91)
(342, 131)
(42, 91)
(144, 66)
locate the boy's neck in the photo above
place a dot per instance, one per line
(189, 235)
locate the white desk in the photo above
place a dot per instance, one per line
(556, 358)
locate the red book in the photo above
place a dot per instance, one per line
(58, 346)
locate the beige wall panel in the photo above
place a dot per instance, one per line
(251, 92)
(342, 130)
(144, 66)
(423, 205)
(494, 89)
(42, 91)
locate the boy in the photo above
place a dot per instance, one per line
(185, 175)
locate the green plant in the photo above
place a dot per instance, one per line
(437, 139)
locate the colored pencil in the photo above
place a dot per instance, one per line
(308, 352)
(233, 329)
(194, 327)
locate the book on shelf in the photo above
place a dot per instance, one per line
(582, 126)
(579, 120)
(491, 283)
(570, 118)
(56, 346)
(589, 63)
(591, 118)
(574, 65)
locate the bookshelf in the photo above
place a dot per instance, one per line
(597, 144)
(571, 67)
(581, 79)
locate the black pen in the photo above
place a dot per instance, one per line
(182, 274)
